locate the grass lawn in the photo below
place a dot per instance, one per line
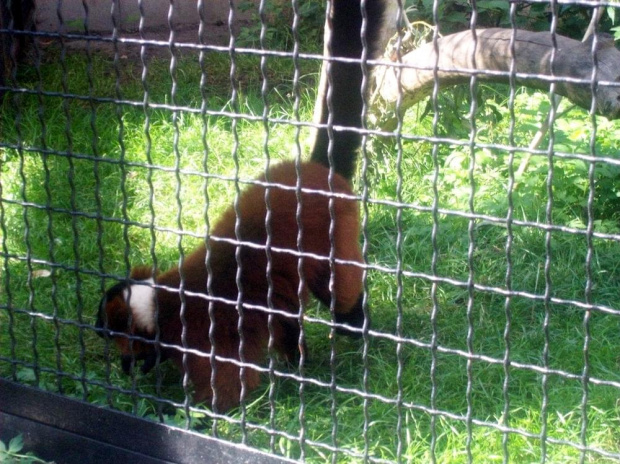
(453, 370)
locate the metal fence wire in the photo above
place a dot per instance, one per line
(133, 133)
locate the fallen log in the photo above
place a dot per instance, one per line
(487, 54)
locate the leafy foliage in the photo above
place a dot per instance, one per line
(13, 453)
(455, 15)
(572, 137)
(278, 18)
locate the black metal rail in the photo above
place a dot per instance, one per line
(67, 431)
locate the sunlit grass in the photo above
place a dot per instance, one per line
(81, 218)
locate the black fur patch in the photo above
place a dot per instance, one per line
(111, 294)
(354, 318)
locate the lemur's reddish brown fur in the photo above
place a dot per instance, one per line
(114, 311)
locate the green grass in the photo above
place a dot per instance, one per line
(61, 214)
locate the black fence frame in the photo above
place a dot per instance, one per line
(64, 430)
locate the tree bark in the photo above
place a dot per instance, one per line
(14, 16)
(487, 54)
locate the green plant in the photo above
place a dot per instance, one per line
(573, 131)
(277, 19)
(455, 15)
(612, 14)
(12, 453)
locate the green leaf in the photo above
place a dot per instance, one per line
(611, 12)
(495, 5)
(26, 374)
(16, 444)
(2, 450)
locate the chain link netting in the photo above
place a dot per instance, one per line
(490, 271)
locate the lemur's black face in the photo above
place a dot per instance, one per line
(106, 305)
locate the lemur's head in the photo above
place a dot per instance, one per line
(127, 314)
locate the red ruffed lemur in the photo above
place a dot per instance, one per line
(145, 307)
(150, 318)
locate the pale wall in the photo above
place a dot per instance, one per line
(155, 12)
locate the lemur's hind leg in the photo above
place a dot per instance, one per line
(347, 284)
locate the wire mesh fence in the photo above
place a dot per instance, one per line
(156, 202)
